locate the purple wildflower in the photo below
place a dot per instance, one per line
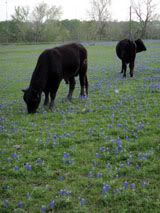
(133, 186)
(102, 149)
(99, 175)
(52, 204)
(119, 144)
(125, 184)
(63, 192)
(28, 167)
(14, 155)
(66, 155)
(97, 155)
(16, 168)
(82, 202)
(43, 209)
(20, 204)
(105, 188)
(90, 174)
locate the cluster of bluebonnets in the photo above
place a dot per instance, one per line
(102, 165)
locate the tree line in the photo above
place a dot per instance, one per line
(43, 24)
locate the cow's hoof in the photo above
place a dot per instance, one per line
(83, 97)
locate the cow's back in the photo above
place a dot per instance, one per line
(126, 50)
(72, 52)
(66, 60)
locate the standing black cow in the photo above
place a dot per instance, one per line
(126, 50)
(53, 65)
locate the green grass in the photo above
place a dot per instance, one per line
(95, 155)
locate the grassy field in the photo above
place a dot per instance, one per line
(95, 155)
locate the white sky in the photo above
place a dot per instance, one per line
(72, 9)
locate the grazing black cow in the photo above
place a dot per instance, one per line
(126, 50)
(53, 65)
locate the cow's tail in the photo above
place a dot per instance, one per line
(83, 77)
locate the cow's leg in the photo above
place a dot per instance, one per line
(86, 84)
(72, 84)
(82, 79)
(53, 92)
(124, 67)
(46, 100)
(131, 66)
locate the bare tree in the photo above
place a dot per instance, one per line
(21, 14)
(145, 12)
(100, 13)
(41, 14)
(54, 13)
(20, 17)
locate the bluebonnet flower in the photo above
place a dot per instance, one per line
(109, 126)
(66, 155)
(97, 155)
(20, 204)
(133, 186)
(126, 138)
(138, 166)
(105, 188)
(119, 144)
(43, 209)
(52, 204)
(128, 162)
(108, 166)
(99, 175)
(28, 167)
(54, 138)
(82, 201)
(16, 168)
(119, 125)
(61, 178)
(102, 149)
(90, 174)
(125, 184)
(39, 162)
(66, 158)
(63, 192)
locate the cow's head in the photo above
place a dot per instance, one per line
(32, 99)
(140, 46)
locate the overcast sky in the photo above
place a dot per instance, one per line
(72, 9)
